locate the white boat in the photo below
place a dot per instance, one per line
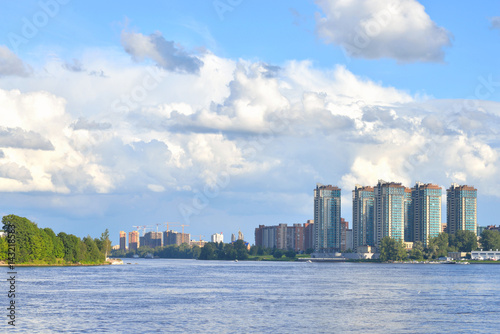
(135, 256)
(148, 256)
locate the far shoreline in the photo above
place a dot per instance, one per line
(107, 263)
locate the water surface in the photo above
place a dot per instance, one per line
(189, 296)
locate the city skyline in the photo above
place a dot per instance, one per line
(117, 114)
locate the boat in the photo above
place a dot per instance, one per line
(148, 256)
(135, 256)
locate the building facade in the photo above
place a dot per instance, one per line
(152, 239)
(389, 211)
(283, 236)
(217, 237)
(344, 226)
(309, 235)
(327, 211)
(123, 240)
(461, 208)
(362, 216)
(133, 240)
(175, 238)
(426, 202)
(409, 218)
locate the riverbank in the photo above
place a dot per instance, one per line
(107, 263)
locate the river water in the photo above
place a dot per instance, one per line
(189, 296)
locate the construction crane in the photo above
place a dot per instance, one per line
(144, 228)
(167, 224)
(182, 235)
(170, 224)
(200, 238)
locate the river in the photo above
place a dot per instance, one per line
(190, 296)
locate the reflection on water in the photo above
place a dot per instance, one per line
(260, 297)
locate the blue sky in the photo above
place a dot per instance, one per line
(245, 105)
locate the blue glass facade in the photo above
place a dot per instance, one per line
(363, 216)
(426, 199)
(389, 211)
(327, 209)
(461, 208)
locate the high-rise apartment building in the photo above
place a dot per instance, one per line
(123, 240)
(408, 211)
(426, 203)
(133, 240)
(309, 234)
(282, 236)
(344, 226)
(327, 207)
(217, 237)
(461, 208)
(389, 211)
(175, 238)
(362, 216)
(281, 241)
(152, 239)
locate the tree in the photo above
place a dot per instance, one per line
(94, 255)
(290, 254)
(392, 250)
(106, 243)
(27, 237)
(464, 241)
(278, 253)
(208, 252)
(438, 246)
(4, 248)
(241, 250)
(490, 239)
(58, 250)
(417, 252)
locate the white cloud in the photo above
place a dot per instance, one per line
(271, 129)
(399, 29)
(12, 65)
(165, 53)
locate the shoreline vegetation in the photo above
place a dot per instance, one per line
(41, 247)
(28, 245)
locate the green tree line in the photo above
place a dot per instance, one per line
(439, 246)
(41, 245)
(238, 251)
(183, 251)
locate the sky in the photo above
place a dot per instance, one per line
(224, 115)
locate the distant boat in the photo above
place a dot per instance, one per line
(148, 256)
(135, 256)
(309, 261)
(236, 260)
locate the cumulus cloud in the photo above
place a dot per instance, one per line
(165, 53)
(19, 138)
(399, 29)
(260, 124)
(13, 171)
(84, 124)
(10, 64)
(495, 22)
